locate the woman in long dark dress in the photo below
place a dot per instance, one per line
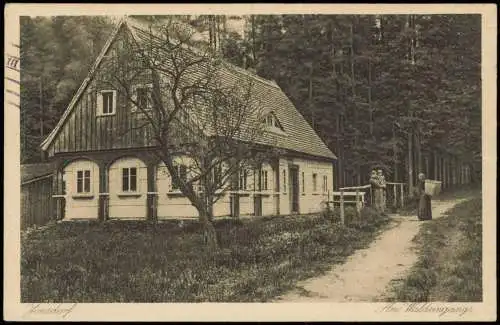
(424, 205)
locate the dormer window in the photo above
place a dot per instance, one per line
(272, 123)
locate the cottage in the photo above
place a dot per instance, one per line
(103, 172)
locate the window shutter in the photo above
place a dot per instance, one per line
(114, 101)
(99, 103)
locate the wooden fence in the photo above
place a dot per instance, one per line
(363, 195)
(36, 202)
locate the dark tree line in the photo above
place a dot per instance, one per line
(398, 92)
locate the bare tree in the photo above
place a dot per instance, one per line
(196, 106)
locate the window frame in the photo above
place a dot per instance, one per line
(149, 87)
(83, 181)
(129, 178)
(181, 170)
(315, 182)
(273, 124)
(100, 102)
(263, 186)
(243, 180)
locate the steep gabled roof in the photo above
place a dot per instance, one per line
(46, 143)
(299, 135)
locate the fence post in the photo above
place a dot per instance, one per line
(402, 195)
(342, 217)
(395, 196)
(358, 204)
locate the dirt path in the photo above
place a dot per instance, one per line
(366, 274)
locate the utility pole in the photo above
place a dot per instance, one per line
(410, 152)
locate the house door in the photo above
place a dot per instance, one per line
(257, 205)
(294, 189)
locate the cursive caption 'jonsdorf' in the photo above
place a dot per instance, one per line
(61, 310)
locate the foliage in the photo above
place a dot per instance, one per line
(56, 55)
(365, 83)
(374, 79)
(259, 259)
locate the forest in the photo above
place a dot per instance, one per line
(396, 92)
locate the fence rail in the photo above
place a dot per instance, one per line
(363, 196)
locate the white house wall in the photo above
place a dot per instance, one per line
(84, 205)
(126, 205)
(172, 204)
(309, 201)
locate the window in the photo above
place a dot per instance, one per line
(303, 183)
(129, 179)
(263, 180)
(271, 121)
(217, 174)
(182, 174)
(315, 183)
(242, 184)
(83, 181)
(142, 97)
(284, 180)
(325, 184)
(106, 102)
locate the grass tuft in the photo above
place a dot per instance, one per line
(449, 267)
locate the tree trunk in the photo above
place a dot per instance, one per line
(209, 233)
(434, 169)
(311, 109)
(394, 152)
(340, 165)
(41, 108)
(427, 169)
(254, 57)
(370, 108)
(418, 152)
(410, 162)
(353, 86)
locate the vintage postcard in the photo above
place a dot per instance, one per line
(250, 162)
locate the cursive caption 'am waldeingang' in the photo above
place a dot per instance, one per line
(440, 309)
